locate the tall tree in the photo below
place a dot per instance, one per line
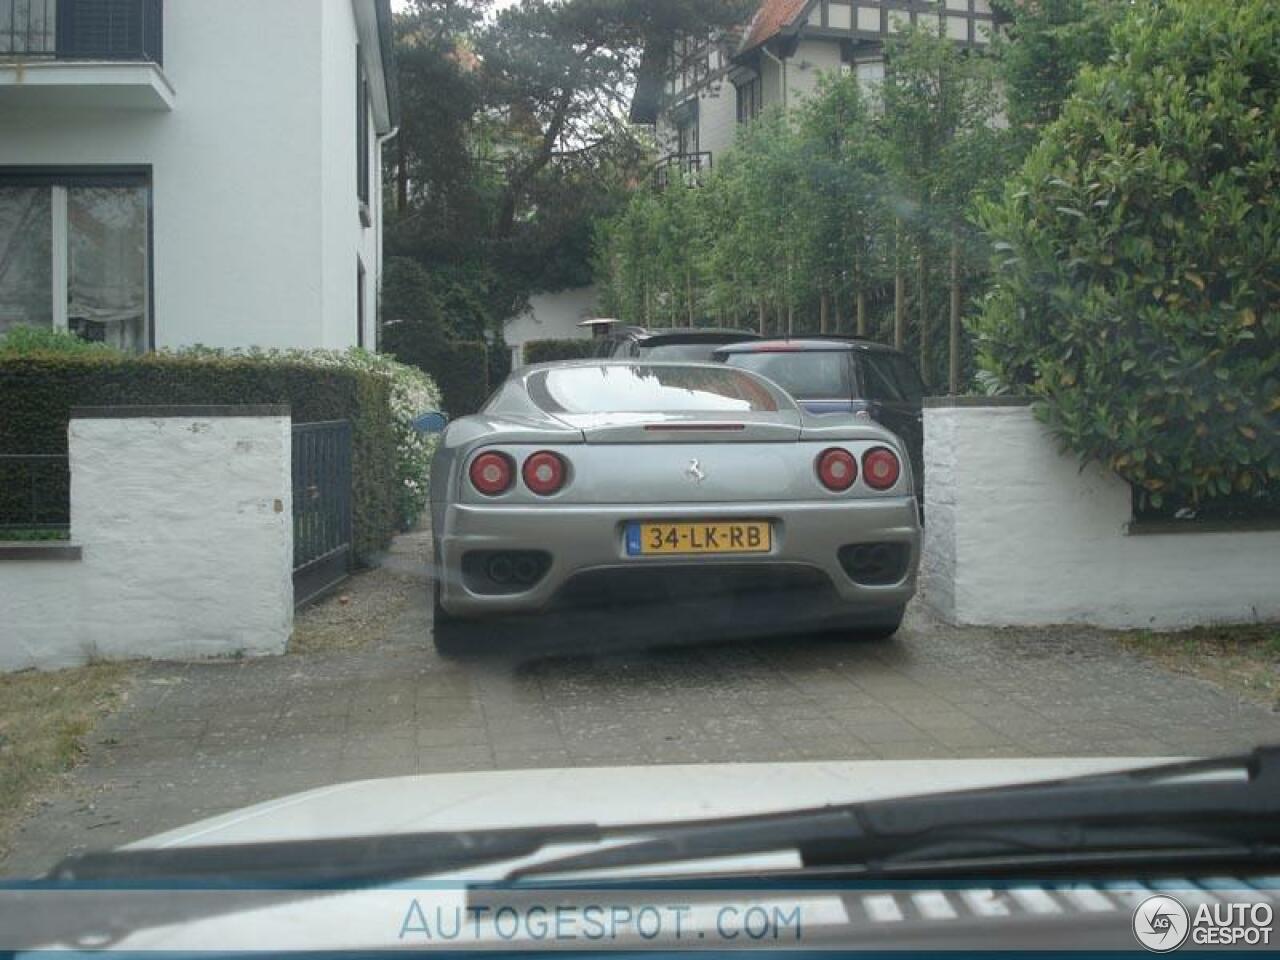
(559, 74)
(513, 144)
(844, 194)
(940, 145)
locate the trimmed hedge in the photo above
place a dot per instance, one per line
(550, 351)
(499, 364)
(460, 368)
(37, 393)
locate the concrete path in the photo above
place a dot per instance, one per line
(197, 740)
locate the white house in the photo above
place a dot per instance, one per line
(552, 316)
(701, 89)
(175, 172)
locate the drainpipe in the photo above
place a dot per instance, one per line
(782, 66)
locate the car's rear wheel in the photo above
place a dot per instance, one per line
(879, 627)
(451, 637)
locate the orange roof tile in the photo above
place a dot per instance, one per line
(771, 19)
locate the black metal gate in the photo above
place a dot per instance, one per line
(35, 494)
(322, 554)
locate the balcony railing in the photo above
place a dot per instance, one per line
(128, 30)
(690, 167)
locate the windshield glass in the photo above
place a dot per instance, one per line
(809, 375)
(468, 417)
(641, 389)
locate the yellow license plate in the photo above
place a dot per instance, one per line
(697, 539)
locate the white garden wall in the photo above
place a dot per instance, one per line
(181, 543)
(1016, 534)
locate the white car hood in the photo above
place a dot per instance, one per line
(279, 921)
(605, 796)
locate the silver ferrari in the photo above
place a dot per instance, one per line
(668, 499)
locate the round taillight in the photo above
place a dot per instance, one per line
(492, 473)
(838, 470)
(881, 468)
(545, 474)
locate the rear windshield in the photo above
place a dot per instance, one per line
(812, 375)
(641, 389)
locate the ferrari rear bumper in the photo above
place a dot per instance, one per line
(585, 561)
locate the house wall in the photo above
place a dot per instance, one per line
(553, 316)
(255, 229)
(145, 575)
(345, 239)
(718, 118)
(797, 76)
(812, 59)
(1017, 534)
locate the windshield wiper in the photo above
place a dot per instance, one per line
(1163, 806)
(319, 864)
(246, 877)
(1176, 809)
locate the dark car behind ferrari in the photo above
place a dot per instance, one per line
(840, 375)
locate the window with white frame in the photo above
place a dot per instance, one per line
(75, 255)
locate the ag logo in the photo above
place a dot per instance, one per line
(1161, 924)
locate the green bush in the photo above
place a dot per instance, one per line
(38, 389)
(549, 351)
(21, 340)
(499, 364)
(1138, 258)
(460, 368)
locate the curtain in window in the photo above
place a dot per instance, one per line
(107, 267)
(26, 263)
